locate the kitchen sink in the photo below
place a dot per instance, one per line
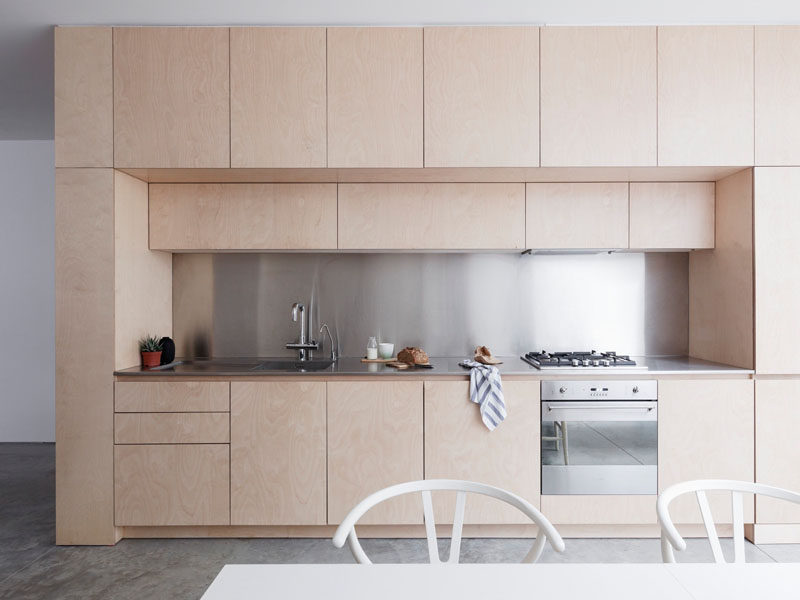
(293, 365)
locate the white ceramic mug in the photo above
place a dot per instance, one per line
(386, 350)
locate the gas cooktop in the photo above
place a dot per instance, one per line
(578, 360)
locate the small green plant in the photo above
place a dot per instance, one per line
(150, 343)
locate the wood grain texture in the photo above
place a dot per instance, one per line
(278, 471)
(705, 431)
(598, 96)
(458, 446)
(576, 215)
(171, 396)
(416, 216)
(84, 97)
(374, 441)
(672, 215)
(171, 97)
(777, 271)
(777, 448)
(705, 95)
(142, 278)
(777, 95)
(278, 97)
(172, 428)
(481, 96)
(721, 280)
(375, 97)
(267, 216)
(166, 484)
(84, 389)
(599, 510)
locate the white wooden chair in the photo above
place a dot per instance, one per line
(671, 539)
(347, 531)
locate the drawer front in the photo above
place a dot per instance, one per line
(172, 484)
(172, 428)
(168, 396)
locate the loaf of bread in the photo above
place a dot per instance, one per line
(413, 356)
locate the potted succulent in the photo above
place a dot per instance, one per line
(150, 347)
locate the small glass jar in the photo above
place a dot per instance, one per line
(372, 349)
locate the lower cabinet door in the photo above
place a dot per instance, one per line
(459, 446)
(172, 484)
(600, 509)
(278, 453)
(374, 441)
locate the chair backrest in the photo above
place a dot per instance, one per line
(347, 532)
(670, 538)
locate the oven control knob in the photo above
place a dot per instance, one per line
(585, 362)
(575, 362)
(596, 363)
(636, 389)
(562, 390)
(605, 363)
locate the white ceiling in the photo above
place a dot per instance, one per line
(26, 46)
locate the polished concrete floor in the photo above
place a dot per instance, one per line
(32, 567)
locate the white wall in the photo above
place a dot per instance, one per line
(27, 306)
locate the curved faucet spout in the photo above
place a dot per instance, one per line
(297, 308)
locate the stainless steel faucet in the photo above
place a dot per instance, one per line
(334, 354)
(305, 347)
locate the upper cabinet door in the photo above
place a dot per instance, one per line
(482, 97)
(171, 97)
(705, 96)
(278, 95)
(777, 95)
(598, 96)
(672, 216)
(374, 97)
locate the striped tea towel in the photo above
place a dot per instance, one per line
(486, 389)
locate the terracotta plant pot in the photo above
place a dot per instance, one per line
(151, 359)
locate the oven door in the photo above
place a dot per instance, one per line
(599, 447)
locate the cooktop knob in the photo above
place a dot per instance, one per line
(596, 363)
(562, 390)
(585, 362)
(636, 389)
(605, 362)
(575, 362)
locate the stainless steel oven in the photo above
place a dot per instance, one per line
(599, 437)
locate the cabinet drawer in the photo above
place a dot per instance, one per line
(172, 428)
(172, 484)
(169, 396)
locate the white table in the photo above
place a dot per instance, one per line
(500, 581)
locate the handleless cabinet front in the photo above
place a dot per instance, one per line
(672, 215)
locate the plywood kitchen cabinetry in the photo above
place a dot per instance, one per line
(278, 433)
(375, 97)
(436, 216)
(374, 441)
(576, 215)
(243, 216)
(481, 96)
(171, 396)
(705, 431)
(278, 97)
(598, 94)
(672, 216)
(459, 446)
(705, 95)
(171, 97)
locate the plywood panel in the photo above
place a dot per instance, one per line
(777, 271)
(375, 97)
(598, 96)
(721, 280)
(278, 97)
(374, 441)
(278, 471)
(267, 216)
(458, 446)
(600, 510)
(171, 97)
(705, 431)
(142, 278)
(415, 216)
(576, 215)
(777, 95)
(171, 428)
(84, 290)
(481, 96)
(171, 396)
(185, 484)
(705, 95)
(84, 102)
(672, 215)
(777, 448)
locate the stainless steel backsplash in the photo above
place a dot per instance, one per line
(228, 305)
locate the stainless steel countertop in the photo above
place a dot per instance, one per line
(512, 365)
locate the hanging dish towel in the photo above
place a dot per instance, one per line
(486, 389)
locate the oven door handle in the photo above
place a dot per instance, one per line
(599, 411)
